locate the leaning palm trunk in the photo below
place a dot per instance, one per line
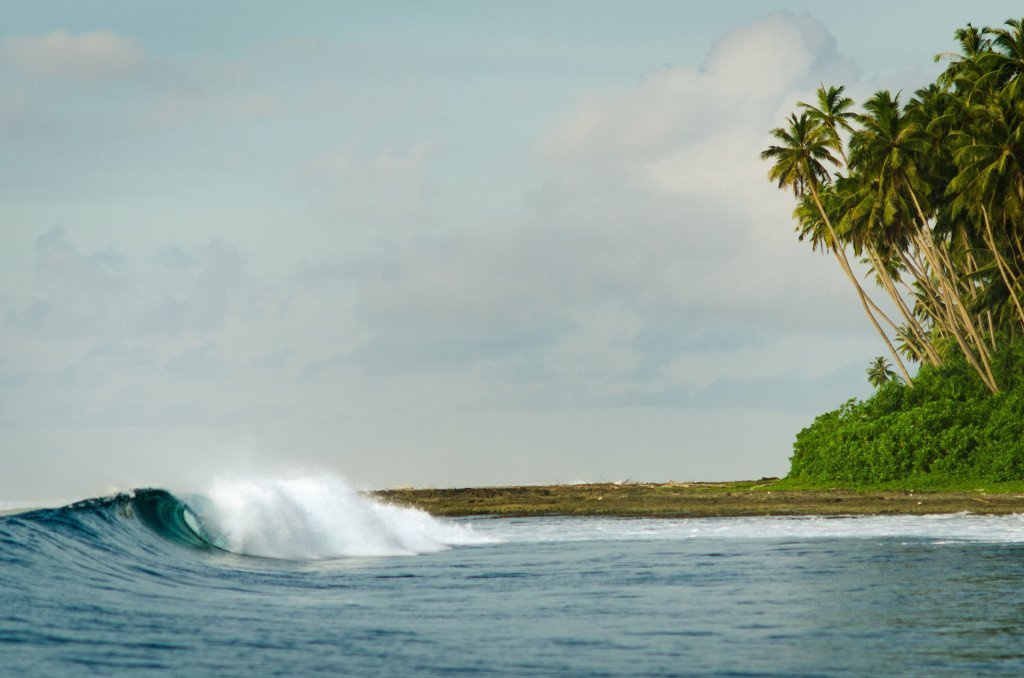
(1020, 246)
(971, 266)
(944, 274)
(917, 332)
(868, 304)
(938, 309)
(1004, 269)
(951, 321)
(879, 313)
(928, 246)
(917, 339)
(844, 263)
(938, 306)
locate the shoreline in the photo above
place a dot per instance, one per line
(691, 500)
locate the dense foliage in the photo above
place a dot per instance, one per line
(948, 426)
(929, 194)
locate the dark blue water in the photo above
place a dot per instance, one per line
(129, 586)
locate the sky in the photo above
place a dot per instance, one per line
(433, 244)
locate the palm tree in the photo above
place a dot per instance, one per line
(929, 195)
(885, 151)
(963, 72)
(879, 372)
(833, 114)
(989, 188)
(798, 166)
(1003, 63)
(798, 162)
(883, 243)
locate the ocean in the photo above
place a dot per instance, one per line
(306, 577)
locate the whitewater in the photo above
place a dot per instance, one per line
(304, 576)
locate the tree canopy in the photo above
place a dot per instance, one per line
(928, 191)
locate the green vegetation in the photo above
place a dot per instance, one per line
(930, 196)
(947, 431)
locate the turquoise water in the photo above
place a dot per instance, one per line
(148, 582)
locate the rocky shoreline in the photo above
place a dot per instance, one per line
(691, 500)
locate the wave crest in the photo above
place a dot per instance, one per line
(312, 518)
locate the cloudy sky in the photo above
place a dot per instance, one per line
(445, 244)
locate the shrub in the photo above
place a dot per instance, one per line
(948, 425)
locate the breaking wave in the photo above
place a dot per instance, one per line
(295, 519)
(316, 518)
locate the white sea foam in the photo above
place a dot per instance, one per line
(307, 518)
(948, 528)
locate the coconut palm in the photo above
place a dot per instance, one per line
(833, 114)
(798, 165)
(879, 372)
(882, 244)
(1003, 64)
(963, 72)
(930, 196)
(886, 151)
(799, 160)
(990, 184)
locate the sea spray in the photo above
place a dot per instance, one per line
(309, 518)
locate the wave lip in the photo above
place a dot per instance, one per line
(316, 518)
(170, 517)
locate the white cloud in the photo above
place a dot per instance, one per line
(82, 56)
(779, 52)
(657, 206)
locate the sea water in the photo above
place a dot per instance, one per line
(304, 576)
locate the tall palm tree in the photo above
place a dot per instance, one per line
(1003, 64)
(885, 150)
(930, 195)
(883, 243)
(989, 154)
(798, 165)
(963, 72)
(833, 114)
(799, 160)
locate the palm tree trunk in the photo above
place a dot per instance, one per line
(940, 311)
(917, 269)
(972, 263)
(946, 305)
(844, 263)
(1000, 265)
(943, 317)
(1020, 246)
(952, 286)
(915, 327)
(928, 289)
(930, 250)
(867, 303)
